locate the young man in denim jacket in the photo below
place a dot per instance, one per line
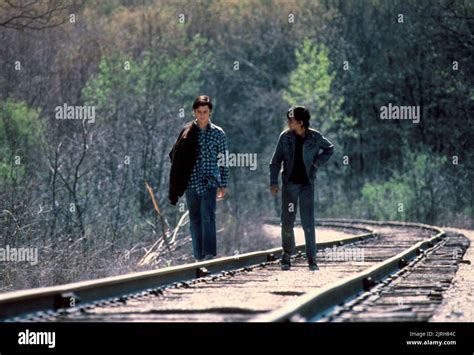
(302, 150)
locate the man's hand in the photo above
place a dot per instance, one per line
(274, 190)
(221, 193)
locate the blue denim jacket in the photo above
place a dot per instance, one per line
(312, 158)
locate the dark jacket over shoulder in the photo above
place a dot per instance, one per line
(183, 156)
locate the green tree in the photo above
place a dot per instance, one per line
(311, 85)
(21, 133)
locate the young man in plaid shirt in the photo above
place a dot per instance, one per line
(207, 181)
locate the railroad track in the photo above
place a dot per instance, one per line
(251, 287)
(381, 293)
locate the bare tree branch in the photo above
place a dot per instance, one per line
(36, 15)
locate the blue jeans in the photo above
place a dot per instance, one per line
(202, 216)
(291, 193)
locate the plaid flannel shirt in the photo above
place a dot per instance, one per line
(206, 173)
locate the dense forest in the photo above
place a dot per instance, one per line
(76, 189)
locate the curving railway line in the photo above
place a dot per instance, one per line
(385, 271)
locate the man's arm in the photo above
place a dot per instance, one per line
(327, 151)
(275, 163)
(224, 169)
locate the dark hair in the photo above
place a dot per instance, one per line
(202, 100)
(299, 113)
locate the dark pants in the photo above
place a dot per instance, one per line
(291, 193)
(202, 216)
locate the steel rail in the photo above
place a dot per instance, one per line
(23, 302)
(314, 305)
